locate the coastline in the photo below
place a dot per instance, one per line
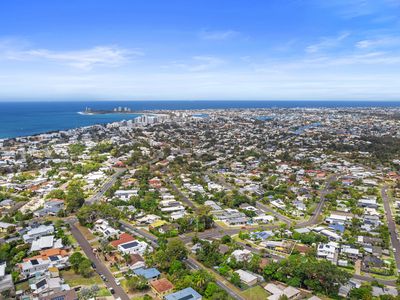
(22, 119)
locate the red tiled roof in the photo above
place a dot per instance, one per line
(162, 285)
(123, 238)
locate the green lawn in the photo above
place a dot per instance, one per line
(255, 293)
(86, 233)
(103, 292)
(23, 286)
(75, 279)
(139, 298)
(71, 239)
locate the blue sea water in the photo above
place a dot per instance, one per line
(28, 118)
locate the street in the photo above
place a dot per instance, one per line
(194, 265)
(391, 226)
(105, 187)
(191, 263)
(100, 267)
(185, 199)
(318, 210)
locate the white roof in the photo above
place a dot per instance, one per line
(273, 288)
(42, 243)
(5, 225)
(40, 229)
(2, 270)
(246, 276)
(291, 291)
(338, 217)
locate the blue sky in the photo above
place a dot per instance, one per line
(200, 49)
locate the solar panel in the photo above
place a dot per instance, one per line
(187, 297)
(34, 262)
(41, 283)
(129, 245)
(53, 258)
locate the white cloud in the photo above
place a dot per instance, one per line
(360, 8)
(199, 63)
(327, 43)
(205, 63)
(378, 42)
(218, 35)
(84, 59)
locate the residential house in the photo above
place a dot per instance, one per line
(185, 294)
(63, 295)
(5, 226)
(133, 247)
(51, 208)
(46, 242)
(37, 232)
(278, 290)
(6, 282)
(247, 278)
(136, 262)
(123, 238)
(125, 195)
(150, 274)
(242, 255)
(161, 287)
(328, 251)
(101, 226)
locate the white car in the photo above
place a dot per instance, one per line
(117, 281)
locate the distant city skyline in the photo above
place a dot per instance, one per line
(199, 50)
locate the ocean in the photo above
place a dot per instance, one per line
(28, 118)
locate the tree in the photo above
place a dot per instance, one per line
(88, 214)
(235, 279)
(80, 264)
(75, 259)
(307, 272)
(172, 251)
(75, 196)
(85, 268)
(76, 149)
(362, 293)
(226, 239)
(56, 194)
(209, 253)
(176, 249)
(211, 289)
(137, 283)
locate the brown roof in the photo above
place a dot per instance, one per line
(67, 295)
(162, 285)
(264, 262)
(136, 258)
(302, 248)
(123, 238)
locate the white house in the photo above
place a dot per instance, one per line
(134, 247)
(247, 278)
(37, 232)
(6, 282)
(125, 195)
(328, 251)
(263, 219)
(102, 226)
(242, 255)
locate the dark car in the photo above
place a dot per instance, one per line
(112, 291)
